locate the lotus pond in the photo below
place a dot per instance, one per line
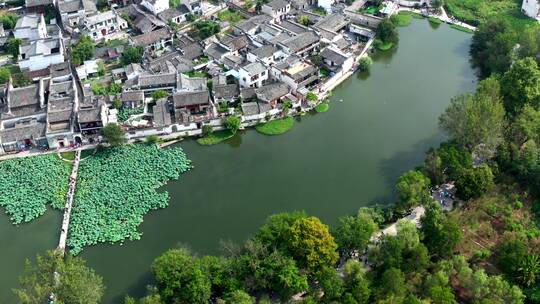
(116, 187)
(28, 185)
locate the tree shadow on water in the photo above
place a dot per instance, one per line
(402, 161)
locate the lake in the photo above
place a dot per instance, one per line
(330, 164)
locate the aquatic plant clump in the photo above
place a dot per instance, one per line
(28, 184)
(116, 187)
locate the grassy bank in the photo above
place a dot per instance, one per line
(215, 138)
(461, 28)
(476, 11)
(434, 20)
(116, 187)
(403, 18)
(381, 46)
(276, 127)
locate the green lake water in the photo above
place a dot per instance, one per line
(378, 126)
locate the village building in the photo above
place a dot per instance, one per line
(267, 54)
(155, 6)
(531, 8)
(162, 115)
(105, 26)
(175, 15)
(254, 74)
(296, 72)
(30, 27)
(40, 54)
(153, 41)
(194, 6)
(192, 107)
(37, 6)
(335, 60)
(276, 9)
(326, 5)
(226, 92)
(62, 105)
(132, 99)
(301, 45)
(73, 12)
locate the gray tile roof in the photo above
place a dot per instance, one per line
(215, 51)
(254, 68)
(235, 43)
(226, 91)
(333, 56)
(273, 91)
(32, 3)
(157, 80)
(162, 117)
(132, 96)
(301, 41)
(264, 51)
(182, 99)
(277, 4)
(28, 129)
(192, 83)
(293, 27)
(250, 108)
(332, 22)
(151, 37)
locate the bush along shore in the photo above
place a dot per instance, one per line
(116, 187)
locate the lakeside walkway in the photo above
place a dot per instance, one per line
(69, 202)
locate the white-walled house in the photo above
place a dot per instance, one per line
(30, 27)
(277, 9)
(253, 75)
(155, 6)
(326, 5)
(40, 54)
(531, 8)
(104, 25)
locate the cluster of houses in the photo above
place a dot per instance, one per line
(270, 60)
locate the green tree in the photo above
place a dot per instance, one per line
(330, 284)
(471, 120)
(304, 20)
(69, 279)
(311, 244)
(248, 4)
(207, 130)
(512, 253)
(180, 278)
(492, 45)
(521, 85)
(159, 94)
(529, 270)
(387, 32)
(354, 232)
(440, 234)
(9, 20)
(310, 96)
(13, 47)
(238, 297)
(233, 123)
(206, 28)
(83, 50)
(113, 134)
(365, 63)
(392, 284)
(174, 3)
(474, 182)
(355, 282)
(412, 190)
(132, 55)
(274, 232)
(5, 73)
